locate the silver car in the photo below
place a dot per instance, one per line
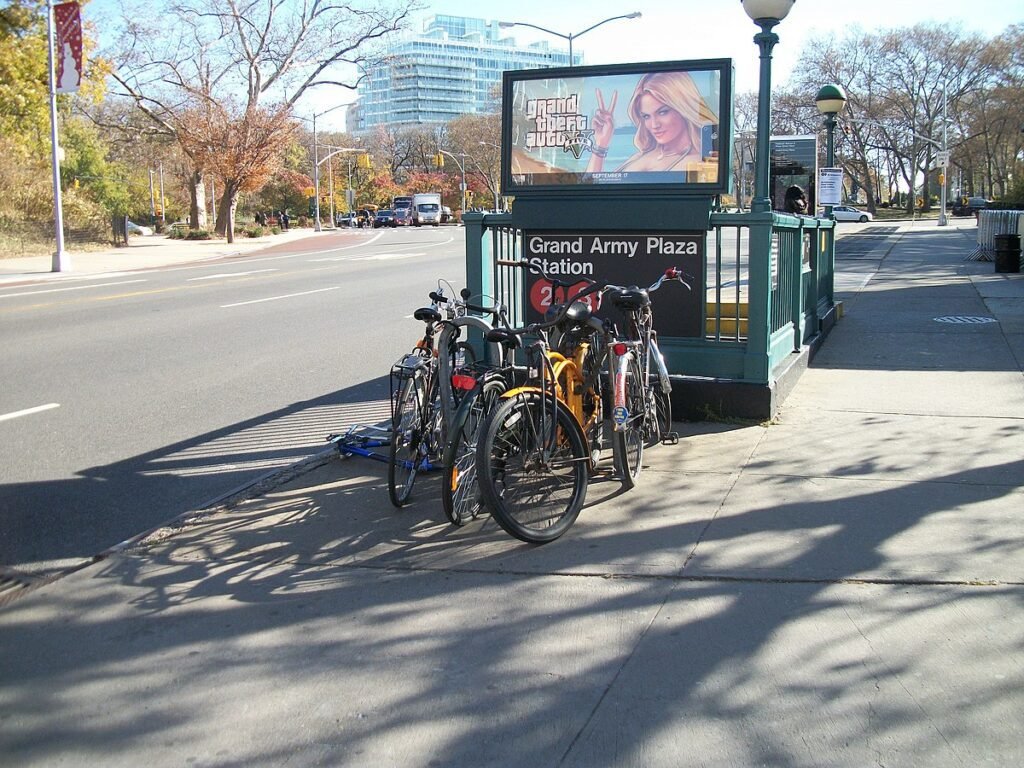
(849, 213)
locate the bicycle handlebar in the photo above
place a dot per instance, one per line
(438, 297)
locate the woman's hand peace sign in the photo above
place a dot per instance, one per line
(604, 120)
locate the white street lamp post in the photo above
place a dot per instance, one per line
(316, 169)
(943, 165)
(572, 36)
(60, 261)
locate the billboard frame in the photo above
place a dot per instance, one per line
(579, 183)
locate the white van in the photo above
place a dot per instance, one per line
(426, 208)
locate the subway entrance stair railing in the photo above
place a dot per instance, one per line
(768, 289)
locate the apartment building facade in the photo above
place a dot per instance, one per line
(453, 67)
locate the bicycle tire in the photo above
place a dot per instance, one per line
(533, 497)
(407, 434)
(628, 440)
(460, 492)
(658, 424)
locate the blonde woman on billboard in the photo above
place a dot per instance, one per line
(668, 112)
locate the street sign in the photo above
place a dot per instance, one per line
(624, 258)
(942, 158)
(830, 186)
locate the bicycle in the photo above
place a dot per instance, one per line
(534, 455)
(642, 406)
(423, 401)
(481, 385)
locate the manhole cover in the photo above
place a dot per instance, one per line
(964, 319)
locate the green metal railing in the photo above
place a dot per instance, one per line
(768, 287)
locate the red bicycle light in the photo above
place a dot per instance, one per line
(619, 349)
(671, 273)
(463, 382)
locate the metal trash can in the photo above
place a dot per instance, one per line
(1007, 253)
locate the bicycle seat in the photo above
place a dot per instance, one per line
(578, 313)
(427, 315)
(631, 298)
(503, 336)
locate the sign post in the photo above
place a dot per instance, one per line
(63, 33)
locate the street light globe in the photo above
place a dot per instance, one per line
(767, 9)
(831, 99)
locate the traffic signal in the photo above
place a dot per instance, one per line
(363, 161)
(439, 160)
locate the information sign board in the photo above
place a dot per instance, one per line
(830, 186)
(621, 258)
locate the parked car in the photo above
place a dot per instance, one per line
(384, 218)
(969, 206)
(135, 229)
(446, 214)
(346, 219)
(849, 213)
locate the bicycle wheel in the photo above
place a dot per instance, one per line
(658, 423)
(628, 438)
(407, 435)
(532, 468)
(460, 492)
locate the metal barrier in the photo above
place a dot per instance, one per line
(990, 224)
(768, 280)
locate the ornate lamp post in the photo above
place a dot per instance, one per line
(831, 100)
(766, 14)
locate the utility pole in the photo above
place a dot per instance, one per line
(60, 262)
(152, 201)
(943, 164)
(163, 202)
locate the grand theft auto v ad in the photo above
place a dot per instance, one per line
(620, 258)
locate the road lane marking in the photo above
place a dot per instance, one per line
(230, 274)
(29, 411)
(276, 298)
(69, 288)
(386, 256)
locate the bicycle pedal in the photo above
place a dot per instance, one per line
(670, 438)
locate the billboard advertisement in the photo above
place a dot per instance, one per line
(652, 126)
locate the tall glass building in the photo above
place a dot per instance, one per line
(452, 68)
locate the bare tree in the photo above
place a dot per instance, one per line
(244, 52)
(478, 139)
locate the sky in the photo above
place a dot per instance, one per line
(695, 29)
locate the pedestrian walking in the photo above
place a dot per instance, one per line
(284, 219)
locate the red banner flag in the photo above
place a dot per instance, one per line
(68, 48)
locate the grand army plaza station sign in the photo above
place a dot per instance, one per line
(621, 258)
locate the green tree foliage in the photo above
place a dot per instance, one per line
(24, 82)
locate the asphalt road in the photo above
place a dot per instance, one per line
(147, 394)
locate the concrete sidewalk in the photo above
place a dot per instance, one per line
(841, 587)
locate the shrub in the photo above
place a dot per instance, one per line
(302, 221)
(275, 230)
(255, 231)
(197, 234)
